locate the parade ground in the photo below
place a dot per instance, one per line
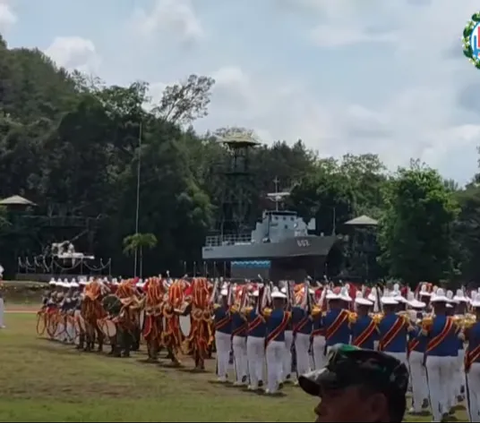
(42, 381)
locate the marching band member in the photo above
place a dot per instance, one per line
(257, 331)
(336, 320)
(416, 357)
(223, 335)
(460, 314)
(363, 327)
(239, 345)
(442, 346)
(318, 334)
(277, 322)
(287, 359)
(302, 330)
(393, 330)
(472, 361)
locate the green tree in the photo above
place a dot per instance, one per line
(137, 243)
(416, 227)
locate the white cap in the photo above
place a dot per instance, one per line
(373, 295)
(52, 282)
(439, 297)
(398, 296)
(475, 300)
(255, 293)
(284, 290)
(224, 292)
(74, 284)
(423, 291)
(387, 299)
(460, 297)
(362, 301)
(277, 294)
(331, 295)
(344, 295)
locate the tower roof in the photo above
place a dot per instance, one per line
(16, 200)
(239, 138)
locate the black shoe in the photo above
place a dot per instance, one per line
(260, 383)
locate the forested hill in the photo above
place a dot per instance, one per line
(70, 143)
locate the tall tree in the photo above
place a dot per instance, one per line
(416, 227)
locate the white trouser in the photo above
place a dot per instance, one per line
(318, 347)
(473, 397)
(275, 354)
(2, 312)
(419, 380)
(223, 344)
(459, 374)
(302, 346)
(239, 344)
(439, 376)
(287, 356)
(256, 360)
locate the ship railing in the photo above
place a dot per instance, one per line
(223, 240)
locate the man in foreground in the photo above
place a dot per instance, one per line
(358, 386)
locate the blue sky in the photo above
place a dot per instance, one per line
(378, 76)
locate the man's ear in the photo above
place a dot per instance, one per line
(377, 405)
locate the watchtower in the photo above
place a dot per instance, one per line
(236, 207)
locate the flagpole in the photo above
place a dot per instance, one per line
(137, 210)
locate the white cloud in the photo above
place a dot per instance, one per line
(74, 53)
(7, 16)
(175, 17)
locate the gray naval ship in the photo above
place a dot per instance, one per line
(280, 247)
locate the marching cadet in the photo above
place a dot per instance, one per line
(239, 346)
(363, 327)
(287, 359)
(277, 322)
(416, 357)
(472, 361)
(257, 331)
(393, 330)
(302, 330)
(460, 314)
(440, 352)
(223, 335)
(318, 336)
(336, 320)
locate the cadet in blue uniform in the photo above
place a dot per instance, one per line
(257, 330)
(302, 329)
(416, 357)
(393, 330)
(239, 346)
(277, 321)
(472, 362)
(441, 351)
(336, 320)
(223, 336)
(363, 327)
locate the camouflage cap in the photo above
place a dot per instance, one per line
(349, 365)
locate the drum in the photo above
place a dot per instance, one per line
(107, 327)
(185, 325)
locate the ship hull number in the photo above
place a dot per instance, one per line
(303, 243)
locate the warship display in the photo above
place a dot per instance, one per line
(281, 245)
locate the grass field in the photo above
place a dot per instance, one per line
(41, 381)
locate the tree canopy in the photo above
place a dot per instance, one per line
(72, 144)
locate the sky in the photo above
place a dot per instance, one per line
(344, 76)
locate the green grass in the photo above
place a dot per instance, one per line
(42, 381)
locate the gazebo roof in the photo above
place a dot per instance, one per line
(16, 200)
(362, 221)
